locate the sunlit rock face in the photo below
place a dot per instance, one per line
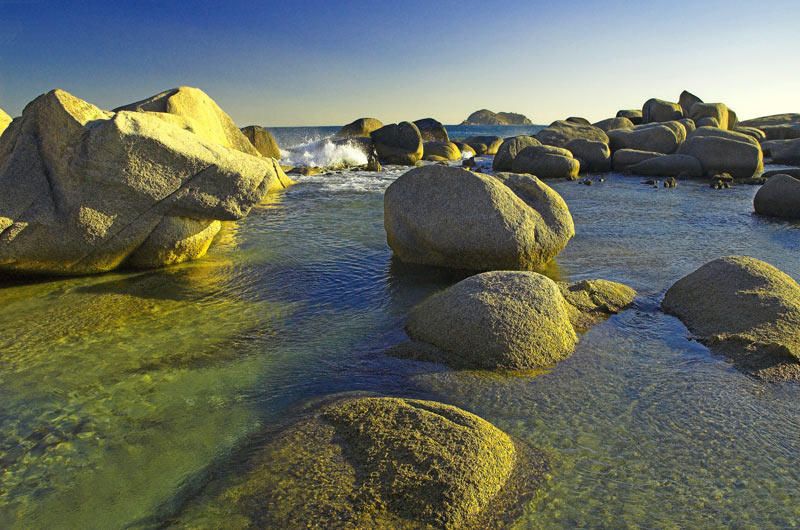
(377, 462)
(5, 121)
(83, 190)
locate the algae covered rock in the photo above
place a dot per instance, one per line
(745, 308)
(203, 116)
(509, 150)
(779, 197)
(399, 143)
(83, 190)
(359, 128)
(263, 141)
(379, 462)
(509, 320)
(451, 217)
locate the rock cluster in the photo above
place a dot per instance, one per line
(487, 117)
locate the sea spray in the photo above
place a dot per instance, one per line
(323, 153)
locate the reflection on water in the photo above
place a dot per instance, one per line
(122, 395)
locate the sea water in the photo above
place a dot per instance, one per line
(123, 394)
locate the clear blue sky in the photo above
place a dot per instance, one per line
(325, 62)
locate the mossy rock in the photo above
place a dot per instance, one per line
(379, 462)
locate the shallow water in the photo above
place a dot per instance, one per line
(122, 394)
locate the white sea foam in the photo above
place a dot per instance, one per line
(323, 153)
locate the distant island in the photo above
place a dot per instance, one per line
(487, 117)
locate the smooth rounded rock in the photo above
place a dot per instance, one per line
(399, 143)
(560, 132)
(262, 140)
(594, 156)
(358, 128)
(546, 161)
(779, 197)
(509, 149)
(432, 130)
(668, 166)
(658, 110)
(439, 151)
(610, 124)
(484, 145)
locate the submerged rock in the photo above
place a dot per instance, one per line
(432, 130)
(744, 308)
(361, 127)
(484, 145)
(262, 140)
(193, 110)
(398, 143)
(380, 462)
(509, 150)
(85, 190)
(560, 132)
(5, 121)
(779, 197)
(508, 320)
(441, 151)
(451, 217)
(721, 151)
(546, 161)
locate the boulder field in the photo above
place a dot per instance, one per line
(743, 308)
(510, 320)
(451, 217)
(83, 190)
(379, 462)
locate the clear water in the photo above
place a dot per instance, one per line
(122, 394)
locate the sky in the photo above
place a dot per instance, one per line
(296, 62)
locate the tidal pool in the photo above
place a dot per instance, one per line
(123, 395)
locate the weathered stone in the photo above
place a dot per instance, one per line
(451, 217)
(689, 125)
(509, 149)
(668, 166)
(658, 110)
(441, 151)
(716, 111)
(779, 197)
(360, 127)
(560, 132)
(707, 122)
(546, 161)
(263, 141)
(594, 156)
(614, 123)
(787, 131)
(484, 145)
(83, 190)
(775, 119)
(758, 134)
(686, 100)
(635, 115)
(744, 308)
(198, 113)
(721, 151)
(399, 144)
(578, 120)
(624, 158)
(432, 130)
(590, 301)
(664, 137)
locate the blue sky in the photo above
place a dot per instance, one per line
(327, 63)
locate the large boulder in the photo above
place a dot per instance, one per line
(5, 121)
(715, 111)
(546, 161)
(399, 144)
(466, 150)
(657, 110)
(441, 151)
(758, 134)
(745, 308)
(484, 145)
(198, 113)
(594, 156)
(779, 197)
(707, 122)
(783, 151)
(635, 115)
(663, 137)
(614, 123)
(451, 217)
(668, 166)
(786, 131)
(688, 124)
(507, 320)
(624, 158)
(560, 132)
(263, 141)
(721, 151)
(686, 100)
(84, 190)
(775, 119)
(361, 127)
(352, 461)
(487, 117)
(509, 149)
(432, 130)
